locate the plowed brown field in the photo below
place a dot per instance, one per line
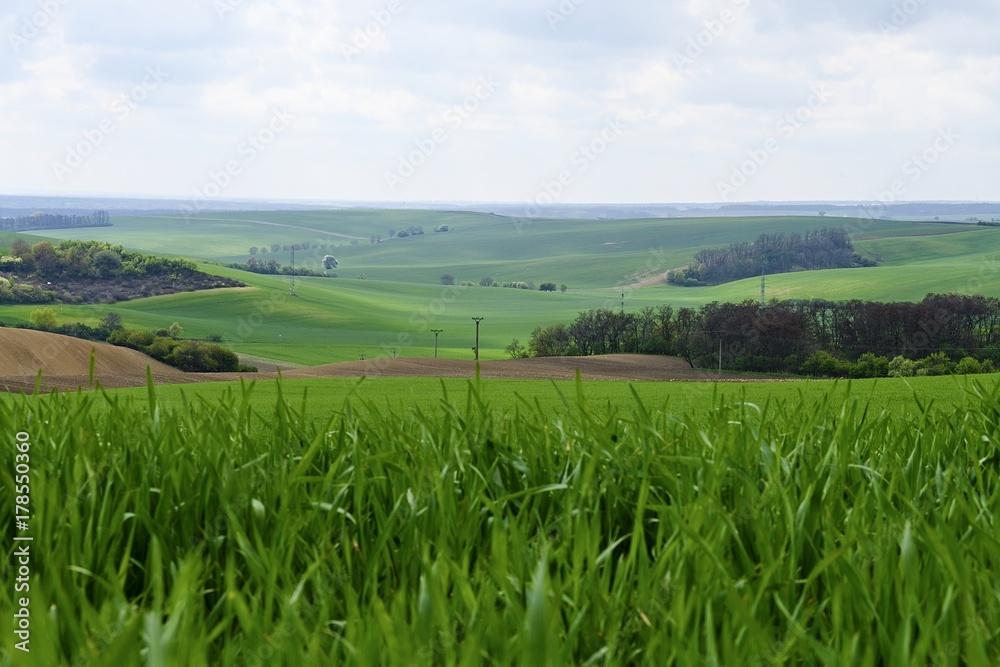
(65, 364)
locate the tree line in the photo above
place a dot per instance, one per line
(770, 254)
(54, 221)
(273, 268)
(812, 337)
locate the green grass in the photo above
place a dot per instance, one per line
(395, 308)
(899, 397)
(241, 529)
(583, 254)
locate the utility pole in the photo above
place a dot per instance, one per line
(477, 320)
(291, 287)
(436, 332)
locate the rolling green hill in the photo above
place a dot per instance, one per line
(401, 299)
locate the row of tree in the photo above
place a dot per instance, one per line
(782, 336)
(54, 221)
(448, 279)
(273, 268)
(274, 247)
(770, 254)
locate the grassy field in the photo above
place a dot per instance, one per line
(401, 300)
(898, 397)
(790, 524)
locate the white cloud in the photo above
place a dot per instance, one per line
(898, 72)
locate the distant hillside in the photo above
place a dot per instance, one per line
(94, 272)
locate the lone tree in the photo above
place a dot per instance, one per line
(330, 262)
(516, 350)
(447, 279)
(43, 318)
(112, 322)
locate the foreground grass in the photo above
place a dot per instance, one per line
(812, 530)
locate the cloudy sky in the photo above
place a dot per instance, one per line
(520, 100)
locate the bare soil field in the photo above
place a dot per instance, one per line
(64, 363)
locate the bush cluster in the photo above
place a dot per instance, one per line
(868, 365)
(190, 355)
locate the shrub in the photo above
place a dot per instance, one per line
(161, 348)
(901, 367)
(935, 364)
(547, 287)
(869, 365)
(133, 338)
(825, 364)
(516, 350)
(44, 319)
(969, 366)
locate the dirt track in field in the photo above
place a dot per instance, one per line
(65, 365)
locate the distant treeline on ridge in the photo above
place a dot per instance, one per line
(770, 254)
(54, 221)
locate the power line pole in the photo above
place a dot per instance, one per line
(477, 320)
(291, 287)
(436, 332)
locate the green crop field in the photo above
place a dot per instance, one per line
(899, 397)
(795, 523)
(400, 300)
